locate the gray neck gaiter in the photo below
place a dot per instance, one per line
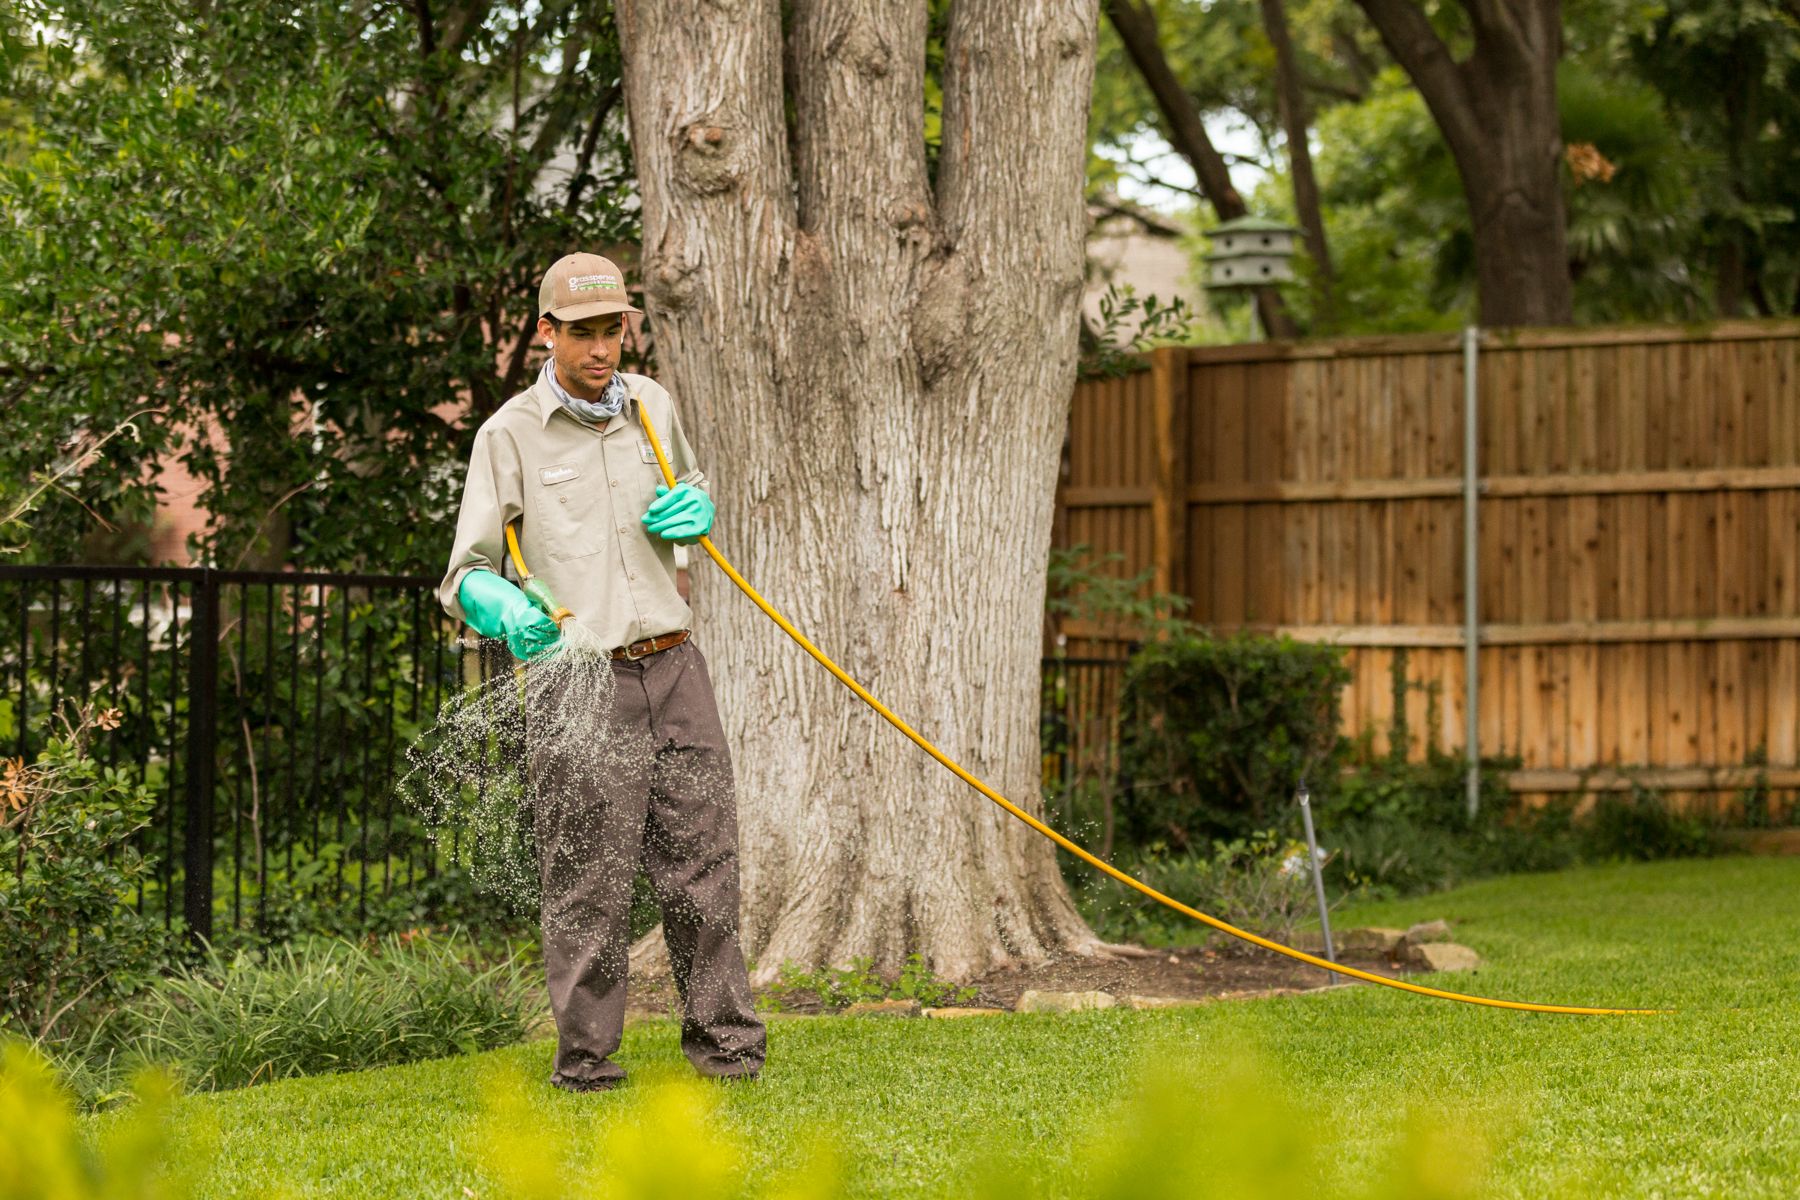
(595, 412)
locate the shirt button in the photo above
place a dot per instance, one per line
(634, 574)
(623, 529)
(615, 483)
(562, 499)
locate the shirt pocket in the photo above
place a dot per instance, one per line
(571, 509)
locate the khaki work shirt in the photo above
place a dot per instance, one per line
(579, 493)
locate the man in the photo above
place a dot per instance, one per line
(651, 784)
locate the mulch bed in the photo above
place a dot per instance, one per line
(1185, 973)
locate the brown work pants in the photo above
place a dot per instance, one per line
(652, 788)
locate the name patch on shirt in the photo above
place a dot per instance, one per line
(646, 452)
(560, 473)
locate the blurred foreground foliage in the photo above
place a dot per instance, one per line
(1191, 1128)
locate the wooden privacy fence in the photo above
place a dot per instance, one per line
(1636, 496)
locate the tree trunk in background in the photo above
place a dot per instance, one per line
(1135, 24)
(876, 371)
(1497, 111)
(1296, 120)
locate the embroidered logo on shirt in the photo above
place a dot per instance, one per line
(560, 473)
(646, 453)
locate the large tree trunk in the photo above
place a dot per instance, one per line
(876, 373)
(1497, 110)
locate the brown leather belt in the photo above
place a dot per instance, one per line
(648, 646)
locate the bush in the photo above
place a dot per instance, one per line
(44, 1153)
(1398, 828)
(1642, 827)
(69, 944)
(323, 1006)
(840, 987)
(1258, 883)
(1218, 732)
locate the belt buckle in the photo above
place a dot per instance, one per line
(649, 645)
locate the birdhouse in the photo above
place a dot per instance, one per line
(1251, 252)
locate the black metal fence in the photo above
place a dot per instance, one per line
(1078, 718)
(268, 713)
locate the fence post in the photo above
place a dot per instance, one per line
(203, 684)
(1168, 494)
(1472, 565)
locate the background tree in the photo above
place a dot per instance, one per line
(307, 233)
(1296, 124)
(1181, 122)
(1728, 72)
(1495, 103)
(874, 345)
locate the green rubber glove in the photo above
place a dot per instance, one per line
(684, 515)
(496, 608)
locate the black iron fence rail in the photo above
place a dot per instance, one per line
(268, 712)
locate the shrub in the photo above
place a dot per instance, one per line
(840, 987)
(322, 1006)
(1258, 883)
(1642, 827)
(1398, 827)
(1218, 732)
(69, 944)
(44, 1154)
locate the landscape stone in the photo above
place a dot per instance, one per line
(1375, 938)
(949, 1013)
(1140, 1003)
(1428, 931)
(1444, 956)
(884, 1008)
(1064, 1002)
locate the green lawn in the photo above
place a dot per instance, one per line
(1703, 1102)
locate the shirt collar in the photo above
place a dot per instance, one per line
(549, 404)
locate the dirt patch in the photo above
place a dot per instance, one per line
(1183, 973)
(1187, 973)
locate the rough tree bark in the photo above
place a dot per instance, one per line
(1136, 26)
(876, 368)
(1497, 110)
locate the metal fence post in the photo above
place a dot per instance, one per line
(203, 685)
(1316, 869)
(1472, 566)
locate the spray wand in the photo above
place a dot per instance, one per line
(535, 589)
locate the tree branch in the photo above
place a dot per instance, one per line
(1348, 92)
(1136, 26)
(1495, 21)
(590, 142)
(1415, 45)
(427, 30)
(462, 29)
(1151, 221)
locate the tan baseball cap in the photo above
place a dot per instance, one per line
(578, 286)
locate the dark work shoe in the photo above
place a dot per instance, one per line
(597, 1084)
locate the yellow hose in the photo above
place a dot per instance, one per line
(532, 586)
(1071, 847)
